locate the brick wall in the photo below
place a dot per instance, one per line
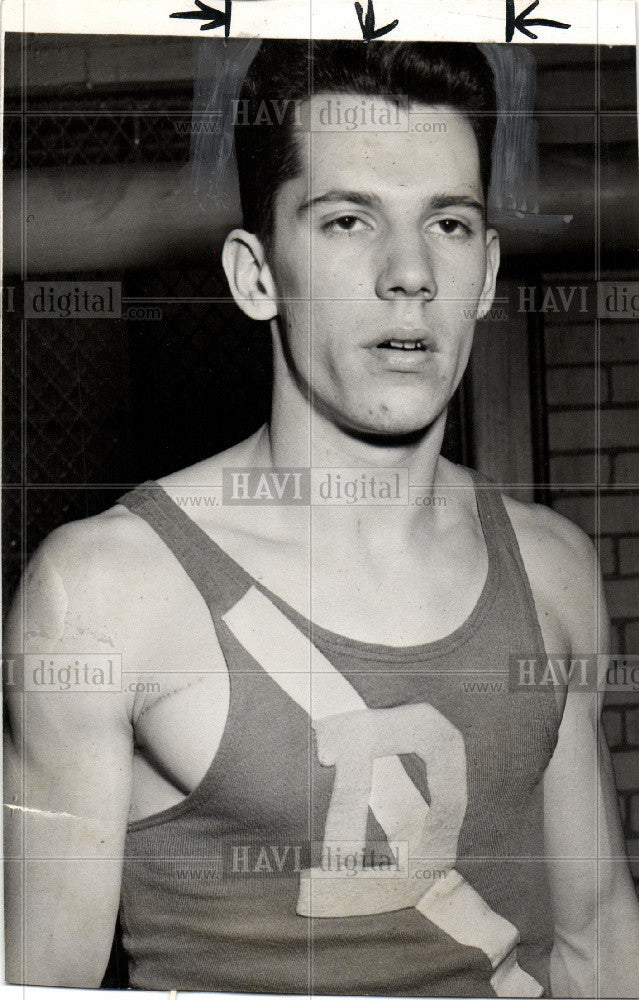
(594, 479)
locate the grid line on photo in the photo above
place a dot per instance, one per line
(524, 859)
(307, 143)
(598, 596)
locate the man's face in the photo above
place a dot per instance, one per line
(379, 256)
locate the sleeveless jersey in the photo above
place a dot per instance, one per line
(372, 820)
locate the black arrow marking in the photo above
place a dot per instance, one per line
(521, 22)
(367, 24)
(217, 17)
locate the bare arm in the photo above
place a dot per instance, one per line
(596, 912)
(68, 757)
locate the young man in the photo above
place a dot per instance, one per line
(302, 791)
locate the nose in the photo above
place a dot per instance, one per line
(406, 269)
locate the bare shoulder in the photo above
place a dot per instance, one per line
(116, 556)
(108, 541)
(110, 579)
(96, 565)
(563, 570)
(107, 583)
(549, 535)
(108, 586)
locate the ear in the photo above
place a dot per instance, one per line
(492, 267)
(248, 275)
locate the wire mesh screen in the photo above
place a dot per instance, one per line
(58, 139)
(119, 401)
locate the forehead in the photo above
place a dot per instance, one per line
(354, 141)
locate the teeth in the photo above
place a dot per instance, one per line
(406, 345)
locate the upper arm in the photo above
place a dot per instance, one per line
(581, 813)
(592, 891)
(68, 762)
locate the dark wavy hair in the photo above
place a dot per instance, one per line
(456, 75)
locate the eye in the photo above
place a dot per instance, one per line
(344, 224)
(454, 227)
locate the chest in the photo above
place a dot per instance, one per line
(458, 730)
(398, 598)
(410, 604)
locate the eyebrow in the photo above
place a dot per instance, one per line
(369, 200)
(362, 198)
(461, 200)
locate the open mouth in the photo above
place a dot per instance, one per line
(403, 345)
(405, 339)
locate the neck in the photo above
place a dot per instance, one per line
(317, 443)
(299, 437)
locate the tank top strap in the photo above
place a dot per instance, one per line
(501, 541)
(220, 580)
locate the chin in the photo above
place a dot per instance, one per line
(383, 419)
(392, 428)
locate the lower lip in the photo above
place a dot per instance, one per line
(398, 360)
